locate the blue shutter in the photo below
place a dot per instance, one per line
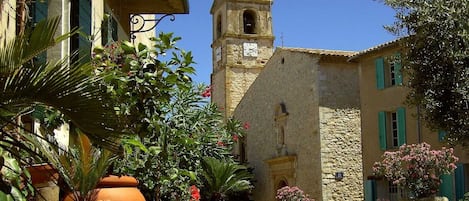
(379, 65)
(370, 190)
(398, 69)
(109, 30)
(446, 186)
(459, 181)
(401, 126)
(40, 13)
(441, 135)
(382, 130)
(84, 43)
(114, 28)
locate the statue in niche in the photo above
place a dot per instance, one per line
(281, 115)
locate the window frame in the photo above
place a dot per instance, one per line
(385, 130)
(388, 71)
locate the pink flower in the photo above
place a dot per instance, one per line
(220, 144)
(246, 125)
(416, 167)
(235, 137)
(195, 193)
(207, 92)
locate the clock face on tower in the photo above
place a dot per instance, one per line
(250, 49)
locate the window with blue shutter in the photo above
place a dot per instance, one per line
(398, 69)
(109, 30)
(392, 128)
(388, 71)
(370, 190)
(441, 135)
(379, 66)
(80, 17)
(382, 130)
(40, 11)
(85, 28)
(401, 125)
(459, 181)
(446, 186)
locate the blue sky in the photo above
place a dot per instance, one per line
(322, 24)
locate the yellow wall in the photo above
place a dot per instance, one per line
(7, 20)
(387, 99)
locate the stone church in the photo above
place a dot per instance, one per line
(303, 105)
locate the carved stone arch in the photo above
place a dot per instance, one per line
(281, 183)
(282, 171)
(249, 21)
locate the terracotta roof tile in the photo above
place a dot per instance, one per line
(320, 51)
(375, 48)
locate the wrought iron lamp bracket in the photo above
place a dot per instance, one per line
(138, 22)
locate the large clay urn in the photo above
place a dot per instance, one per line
(42, 173)
(116, 188)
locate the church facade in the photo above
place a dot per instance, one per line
(305, 125)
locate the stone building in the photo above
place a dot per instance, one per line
(302, 104)
(319, 118)
(305, 125)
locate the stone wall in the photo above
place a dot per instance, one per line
(322, 129)
(289, 78)
(341, 152)
(339, 114)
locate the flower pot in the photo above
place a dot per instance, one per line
(115, 188)
(42, 173)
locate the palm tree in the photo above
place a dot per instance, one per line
(224, 178)
(81, 167)
(67, 87)
(60, 84)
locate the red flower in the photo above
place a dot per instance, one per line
(207, 92)
(195, 193)
(235, 137)
(246, 125)
(220, 144)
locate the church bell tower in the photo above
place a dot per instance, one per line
(242, 45)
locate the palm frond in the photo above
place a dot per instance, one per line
(223, 178)
(60, 84)
(81, 167)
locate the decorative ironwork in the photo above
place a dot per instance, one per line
(138, 22)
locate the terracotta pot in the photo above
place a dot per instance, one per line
(42, 173)
(115, 188)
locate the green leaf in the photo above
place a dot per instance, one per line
(17, 195)
(136, 143)
(172, 79)
(3, 196)
(155, 150)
